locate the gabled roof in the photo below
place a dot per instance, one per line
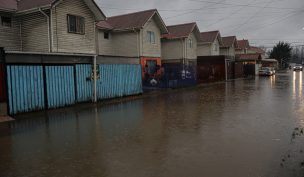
(211, 36)
(182, 31)
(230, 41)
(8, 5)
(257, 50)
(243, 44)
(248, 57)
(21, 6)
(131, 21)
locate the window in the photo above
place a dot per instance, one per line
(106, 35)
(75, 24)
(215, 47)
(190, 43)
(151, 37)
(6, 21)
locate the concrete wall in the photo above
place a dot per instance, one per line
(69, 42)
(10, 36)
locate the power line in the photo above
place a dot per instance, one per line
(233, 13)
(252, 17)
(244, 5)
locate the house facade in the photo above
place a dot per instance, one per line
(229, 46)
(133, 38)
(209, 44)
(51, 47)
(49, 26)
(180, 44)
(179, 55)
(243, 46)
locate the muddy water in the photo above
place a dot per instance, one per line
(235, 129)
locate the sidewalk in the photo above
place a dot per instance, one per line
(5, 119)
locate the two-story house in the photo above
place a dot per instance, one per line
(179, 55)
(180, 44)
(243, 46)
(49, 27)
(209, 44)
(229, 46)
(133, 38)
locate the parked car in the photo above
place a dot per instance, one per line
(266, 71)
(298, 68)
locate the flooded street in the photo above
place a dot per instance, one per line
(243, 128)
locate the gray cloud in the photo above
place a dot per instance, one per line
(263, 22)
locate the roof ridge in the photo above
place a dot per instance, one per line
(229, 36)
(182, 24)
(210, 31)
(131, 13)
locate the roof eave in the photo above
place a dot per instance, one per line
(36, 9)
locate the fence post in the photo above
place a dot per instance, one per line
(95, 79)
(4, 105)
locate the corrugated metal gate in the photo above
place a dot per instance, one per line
(118, 80)
(84, 82)
(179, 75)
(36, 87)
(25, 88)
(211, 69)
(60, 86)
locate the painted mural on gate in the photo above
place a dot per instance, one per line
(179, 75)
(152, 72)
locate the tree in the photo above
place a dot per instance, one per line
(281, 52)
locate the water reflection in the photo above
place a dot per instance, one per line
(190, 132)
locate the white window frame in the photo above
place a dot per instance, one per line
(190, 43)
(151, 37)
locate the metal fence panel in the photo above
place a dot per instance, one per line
(25, 88)
(60, 86)
(84, 82)
(2, 84)
(179, 75)
(118, 80)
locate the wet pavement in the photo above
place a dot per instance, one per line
(244, 128)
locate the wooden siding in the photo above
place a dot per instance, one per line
(172, 49)
(203, 50)
(228, 51)
(69, 42)
(10, 36)
(34, 32)
(207, 49)
(119, 44)
(191, 52)
(151, 50)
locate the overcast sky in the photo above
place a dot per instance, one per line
(263, 22)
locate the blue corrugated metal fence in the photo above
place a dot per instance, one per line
(60, 86)
(117, 80)
(32, 88)
(25, 88)
(84, 82)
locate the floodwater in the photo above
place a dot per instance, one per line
(244, 128)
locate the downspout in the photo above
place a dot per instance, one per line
(95, 79)
(48, 22)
